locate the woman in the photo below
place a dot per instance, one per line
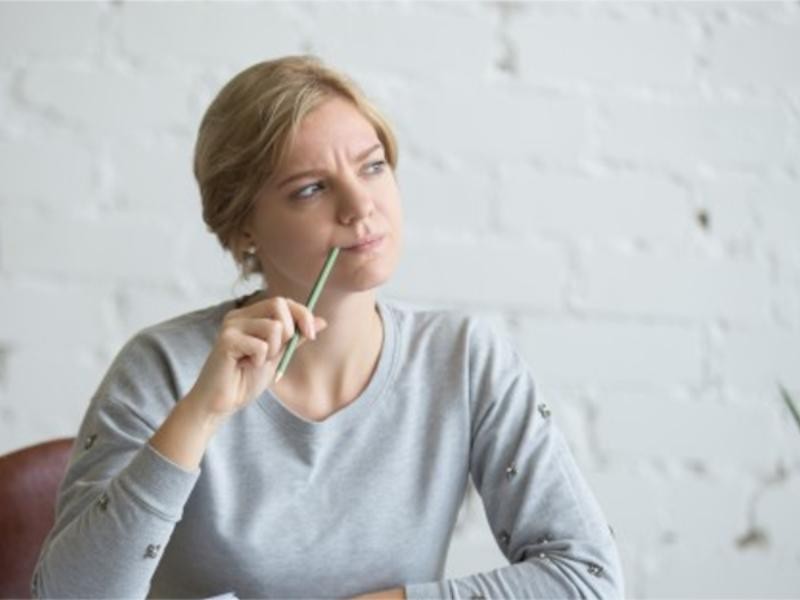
(195, 474)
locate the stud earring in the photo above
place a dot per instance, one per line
(250, 263)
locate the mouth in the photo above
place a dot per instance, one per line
(368, 243)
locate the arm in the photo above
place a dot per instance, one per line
(126, 489)
(543, 515)
(121, 497)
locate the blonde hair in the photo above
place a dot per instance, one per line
(248, 129)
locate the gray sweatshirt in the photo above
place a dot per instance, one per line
(367, 499)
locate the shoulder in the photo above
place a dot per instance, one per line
(420, 317)
(469, 355)
(478, 335)
(183, 331)
(166, 350)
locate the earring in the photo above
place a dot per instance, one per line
(250, 263)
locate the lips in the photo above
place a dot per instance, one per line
(363, 242)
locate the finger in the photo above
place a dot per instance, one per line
(275, 307)
(242, 346)
(284, 315)
(303, 317)
(269, 330)
(320, 324)
(276, 339)
(320, 327)
(289, 312)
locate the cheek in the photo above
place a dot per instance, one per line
(397, 217)
(391, 207)
(284, 243)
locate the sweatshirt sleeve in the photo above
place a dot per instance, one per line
(120, 499)
(541, 511)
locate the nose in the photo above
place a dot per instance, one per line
(355, 200)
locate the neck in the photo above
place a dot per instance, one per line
(336, 366)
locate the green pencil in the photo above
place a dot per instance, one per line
(316, 291)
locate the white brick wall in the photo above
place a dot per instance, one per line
(616, 184)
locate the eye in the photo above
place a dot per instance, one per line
(376, 166)
(307, 191)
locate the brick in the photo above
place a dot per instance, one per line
(708, 572)
(761, 216)
(755, 54)
(563, 351)
(41, 170)
(155, 179)
(6, 102)
(143, 308)
(341, 33)
(602, 50)
(630, 499)
(731, 11)
(498, 273)
(201, 260)
(5, 350)
(777, 208)
(111, 102)
(700, 512)
(776, 510)
(690, 133)
(680, 286)
(710, 435)
(51, 30)
(730, 204)
(492, 124)
(43, 407)
(578, 206)
(704, 557)
(444, 199)
(89, 250)
(760, 356)
(787, 297)
(62, 317)
(191, 33)
(19, 120)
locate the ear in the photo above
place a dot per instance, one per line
(243, 242)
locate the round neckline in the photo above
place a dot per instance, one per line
(356, 410)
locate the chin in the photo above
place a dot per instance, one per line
(368, 281)
(374, 275)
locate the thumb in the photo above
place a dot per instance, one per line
(319, 325)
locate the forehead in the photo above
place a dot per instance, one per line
(334, 125)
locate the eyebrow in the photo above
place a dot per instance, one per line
(302, 174)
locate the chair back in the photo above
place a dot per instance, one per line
(29, 480)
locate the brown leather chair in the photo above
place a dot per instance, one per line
(29, 480)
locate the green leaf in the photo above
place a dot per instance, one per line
(792, 408)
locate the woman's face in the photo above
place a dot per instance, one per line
(333, 189)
